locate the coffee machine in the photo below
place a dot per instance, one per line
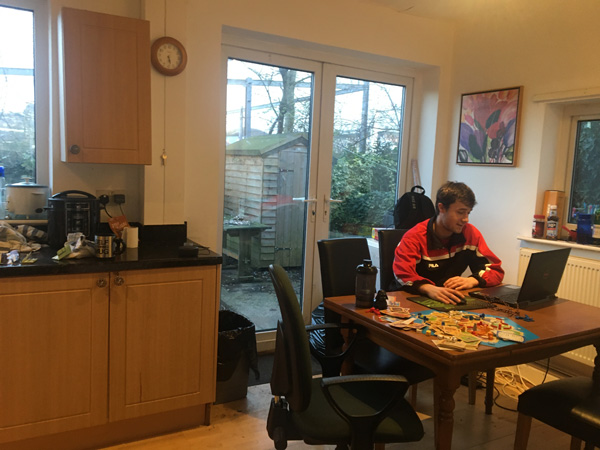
(70, 212)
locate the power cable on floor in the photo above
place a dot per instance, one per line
(511, 384)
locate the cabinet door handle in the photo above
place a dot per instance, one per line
(119, 280)
(101, 283)
(75, 149)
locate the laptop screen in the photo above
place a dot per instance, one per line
(543, 274)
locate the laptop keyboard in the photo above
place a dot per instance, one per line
(508, 298)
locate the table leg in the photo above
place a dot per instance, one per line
(472, 377)
(445, 385)
(596, 372)
(348, 362)
(489, 390)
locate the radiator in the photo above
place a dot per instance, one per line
(580, 283)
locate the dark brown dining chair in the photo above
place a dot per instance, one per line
(571, 405)
(339, 258)
(388, 241)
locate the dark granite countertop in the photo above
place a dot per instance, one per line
(146, 256)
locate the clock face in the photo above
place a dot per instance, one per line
(168, 56)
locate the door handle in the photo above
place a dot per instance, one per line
(327, 205)
(312, 208)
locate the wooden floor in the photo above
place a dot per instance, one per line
(241, 425)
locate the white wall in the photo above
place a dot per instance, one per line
(544, 46)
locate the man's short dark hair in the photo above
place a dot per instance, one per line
(453, 191)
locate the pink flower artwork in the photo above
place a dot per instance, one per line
(488, 127)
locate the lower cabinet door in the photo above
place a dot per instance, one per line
(53, 354)
(163, 329)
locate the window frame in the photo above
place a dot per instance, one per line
(572, 114)
(41, 83)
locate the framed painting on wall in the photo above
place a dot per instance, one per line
(488, 127)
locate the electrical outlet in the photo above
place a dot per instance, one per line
(111, 194)
(103, 192)
(118, 197)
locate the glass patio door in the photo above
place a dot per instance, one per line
(364, 118)
(366, 136)
(313, 151)
(270, 129)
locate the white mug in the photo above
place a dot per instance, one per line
(131, 236)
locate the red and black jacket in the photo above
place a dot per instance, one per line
(422, 258)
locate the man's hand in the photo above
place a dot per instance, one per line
(442, 294)
(461, 283)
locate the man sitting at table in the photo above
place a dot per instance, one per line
(433, 255)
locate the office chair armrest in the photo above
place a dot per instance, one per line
(364, 401)
(332, 325)
(331, 361)
(395, 381)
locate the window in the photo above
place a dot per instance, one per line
(584, 195)
(20, 86)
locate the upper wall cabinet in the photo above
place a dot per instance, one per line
(105, 88)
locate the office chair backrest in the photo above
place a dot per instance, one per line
(339, 258)
(388, 241)
(292, 335)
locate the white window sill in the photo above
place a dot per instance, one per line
(583, 251)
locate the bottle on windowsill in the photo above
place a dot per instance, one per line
(539, 223)
(552, 223)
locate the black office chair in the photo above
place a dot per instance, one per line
(339, 258)
(571, 405)
(351, 410)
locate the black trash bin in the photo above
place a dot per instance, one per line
(236, 354)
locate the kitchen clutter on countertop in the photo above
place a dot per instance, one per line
(160, 246)
(23, 238)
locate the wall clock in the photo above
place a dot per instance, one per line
(168, 56)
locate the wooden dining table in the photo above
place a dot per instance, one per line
(560, 327)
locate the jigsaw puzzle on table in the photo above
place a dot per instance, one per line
(459, 330)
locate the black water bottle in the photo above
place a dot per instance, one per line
(366, 276)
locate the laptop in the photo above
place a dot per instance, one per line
(542, 277)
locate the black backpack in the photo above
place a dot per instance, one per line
(413, 207)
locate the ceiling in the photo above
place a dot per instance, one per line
(435, 9)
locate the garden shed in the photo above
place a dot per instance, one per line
(263, 224)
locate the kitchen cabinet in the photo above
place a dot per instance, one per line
(53, 354)
(105, 88)
(162, 340)
(81, 353)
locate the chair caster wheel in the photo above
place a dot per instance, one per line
(279, 438)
